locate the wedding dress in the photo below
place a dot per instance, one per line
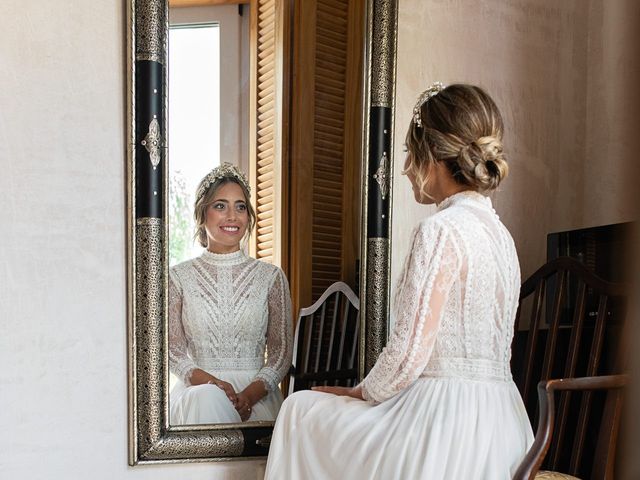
(226, 311)
(441, 402)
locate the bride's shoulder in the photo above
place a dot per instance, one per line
(449, 219)
(266, 267)
(181, 272)
(437, 222)
(272, 273)
(440, 229)
(182, 266)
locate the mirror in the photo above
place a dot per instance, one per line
(153, 437)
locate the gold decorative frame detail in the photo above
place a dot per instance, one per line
(377, 179)
(151, 438)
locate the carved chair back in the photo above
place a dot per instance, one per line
(570, 323)
(325, 347)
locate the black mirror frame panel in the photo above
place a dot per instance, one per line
(378, 178)
(151, 438)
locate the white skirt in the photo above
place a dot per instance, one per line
(438, 428)
(199, 404)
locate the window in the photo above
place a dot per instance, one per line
(194, 126)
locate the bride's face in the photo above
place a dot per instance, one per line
(227, 219)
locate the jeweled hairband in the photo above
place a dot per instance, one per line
(430, 92)
(226, 170)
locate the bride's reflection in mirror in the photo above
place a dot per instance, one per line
(229, 315)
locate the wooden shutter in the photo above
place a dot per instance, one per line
(325, 151)
(328, 148)
(268, 128)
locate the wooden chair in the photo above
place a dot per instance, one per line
(325, 344)
(604, 457)
(575, 335)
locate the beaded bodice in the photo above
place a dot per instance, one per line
(225, 312)
(456, 301)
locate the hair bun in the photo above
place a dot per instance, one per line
(490, 148)
(482, 163)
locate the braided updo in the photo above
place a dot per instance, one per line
(462, 127)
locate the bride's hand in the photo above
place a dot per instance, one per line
(354, 392)
(243, 406)
(228, 389)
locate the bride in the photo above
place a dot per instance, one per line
(225, 310)
(440, 402)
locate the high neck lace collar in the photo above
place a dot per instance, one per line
(235, 258)
(466, 196)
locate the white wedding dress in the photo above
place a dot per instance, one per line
(441, 400)
(225, 312)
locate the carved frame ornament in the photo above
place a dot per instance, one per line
(382, 19)
(151, 438)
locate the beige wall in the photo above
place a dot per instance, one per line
(63, 386)
(560, 72)
(613, 106)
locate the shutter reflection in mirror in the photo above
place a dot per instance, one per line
(325, 145)
(268, 124)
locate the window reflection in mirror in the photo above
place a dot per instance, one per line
(194, 126)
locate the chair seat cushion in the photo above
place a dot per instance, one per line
(546, 475)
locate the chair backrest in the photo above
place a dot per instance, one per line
(570, 323)
(325, 348)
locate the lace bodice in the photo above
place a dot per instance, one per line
(456, 302)
(225, 311)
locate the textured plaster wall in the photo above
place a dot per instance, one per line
(561, 73)
(613, 102)
(63, 385)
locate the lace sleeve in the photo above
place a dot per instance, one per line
(429, 271)
(180, 362)
(279, 337)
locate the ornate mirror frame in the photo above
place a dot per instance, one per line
(151, 438)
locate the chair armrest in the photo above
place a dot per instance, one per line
(546, 390)
(602, 382)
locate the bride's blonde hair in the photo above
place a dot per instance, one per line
(462, 127)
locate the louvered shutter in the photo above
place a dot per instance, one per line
(328, 154)
(326, 136)
(267, 129)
